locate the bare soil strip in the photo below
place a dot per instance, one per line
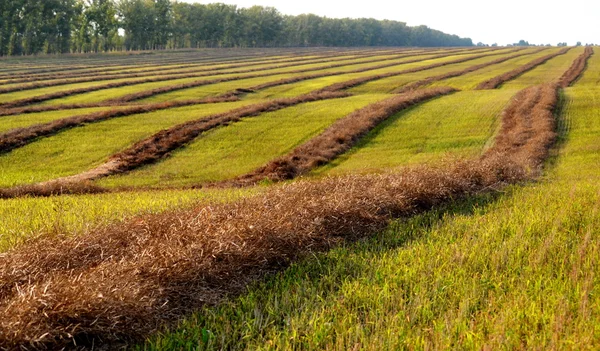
(576, 69)
(499, 80)
(121, 283)
(337, 139)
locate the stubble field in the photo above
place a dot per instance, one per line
(301, 199)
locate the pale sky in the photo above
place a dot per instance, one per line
(502, 22)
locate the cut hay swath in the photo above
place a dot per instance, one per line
(336, 139)
(22, 136)
(70, 92)
(497, 81)
(23, 105)
(120, 283)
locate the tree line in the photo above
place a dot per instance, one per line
(62, 26)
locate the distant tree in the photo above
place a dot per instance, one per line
(102, 17)
(522, 43)
(495, 44)
(562, 44)
(59, 26)
(578, 43)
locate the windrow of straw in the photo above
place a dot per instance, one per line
(429, 80)
(120, 283)
(495, 82)
(144, 152)
(201, 71)
(102, 74)
(22, 136)
(152, 92)
(362, 80)
(171, 88)
(337, 139)
(576, 69)
(19, 137)
(136, 62)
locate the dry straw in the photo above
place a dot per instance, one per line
(122, 282)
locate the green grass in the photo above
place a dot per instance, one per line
(318, 83)
(592, 73)
(220, 88)
(553, 69)
(227, 152)
(210, 90)
(25, 120)
(471, 80)
(8, 97)
(514, 270)
(26, 218)
(82, 148)
(204, 91)
(388, 85)
(457, 125)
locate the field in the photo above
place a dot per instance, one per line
(276, 199)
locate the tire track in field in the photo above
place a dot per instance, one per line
(495, 82)
(123, 282)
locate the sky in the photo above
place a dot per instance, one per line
(502, 22)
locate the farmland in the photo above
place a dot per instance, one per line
(301, 199)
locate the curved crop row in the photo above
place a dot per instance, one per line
(338, 138)
(133, 62)
(430, 80)
(65, 93)
(22, 136)
(9, 110)
(497, 81)
(576, 69)
(232, 63)
(358, 81)
(149, 149)
(121, 283)
(153, 92)
(152, 72)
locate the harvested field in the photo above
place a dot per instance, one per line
(360, 210)
(459, 125)
(546, 72)
(152, 216)
(499, 80)
(238, 149)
